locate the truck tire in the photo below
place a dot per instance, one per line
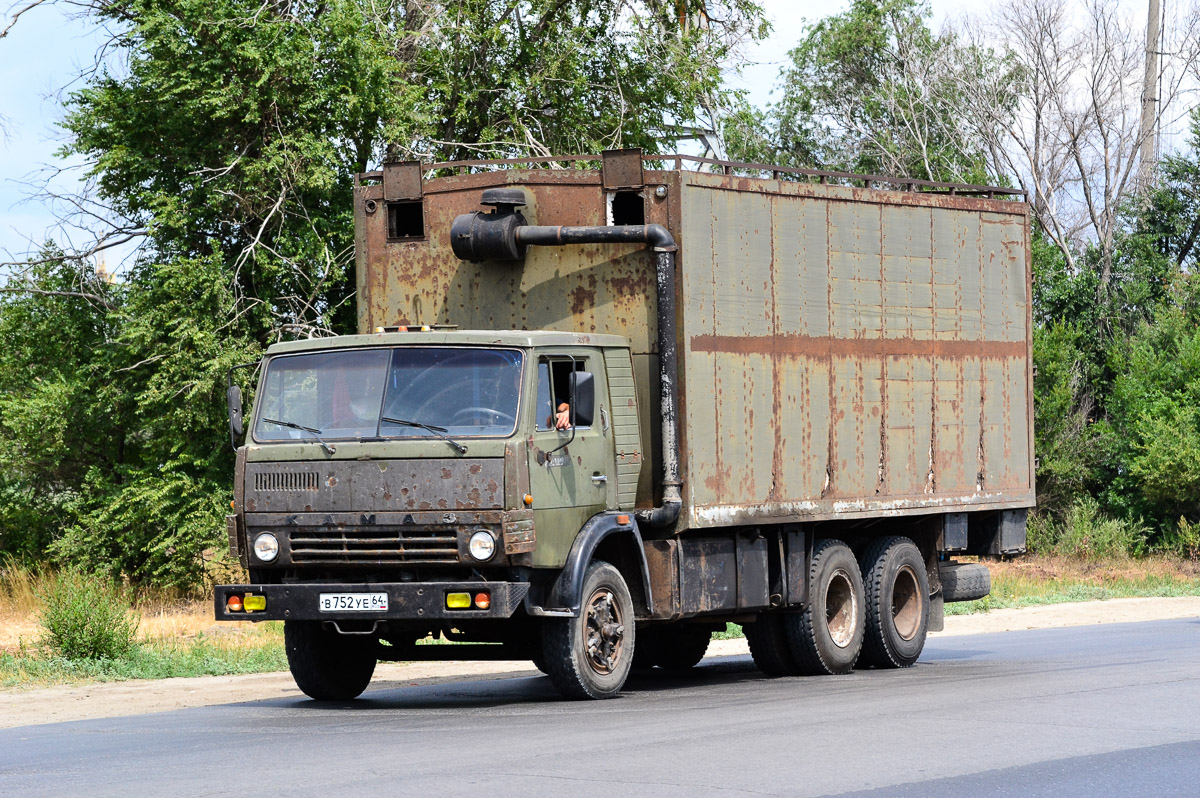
(590, 656)
(897, 593)
(328, 666)
(769, 646)
(677, 647)
(827, 637)
(964, 581)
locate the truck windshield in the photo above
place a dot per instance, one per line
(348, 394)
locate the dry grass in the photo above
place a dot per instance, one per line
(1045, 568)
(167, 617)
(1053, 580)
(1034, 575)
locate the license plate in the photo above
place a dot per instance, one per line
(353, 602)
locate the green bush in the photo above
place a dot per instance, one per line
(86, 617)
(1086, 533)
(1181, 541)
(1041, 533)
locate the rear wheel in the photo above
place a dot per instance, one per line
(827, 637)
(769, 644)
(328, 666)
(590, 656)
(897, 599)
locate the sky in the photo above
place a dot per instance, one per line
(46, 49)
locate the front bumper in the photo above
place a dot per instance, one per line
(406, 600)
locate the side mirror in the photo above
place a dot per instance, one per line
(233, 396)
(583, 398)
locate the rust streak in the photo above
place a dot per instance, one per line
(825, 346)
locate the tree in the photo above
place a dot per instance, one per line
(225, 138)
(1064, 119)
(1170, 221)
(872, 91)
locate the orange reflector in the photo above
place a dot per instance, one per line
(483, 601)
(458, 601)
(622, 519)
(255, 603)
(528, 499)
(233, 603)
(232, 504)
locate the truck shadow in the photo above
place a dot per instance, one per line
(525, 689)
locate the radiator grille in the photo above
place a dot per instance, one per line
(288, 481)
(339, 546)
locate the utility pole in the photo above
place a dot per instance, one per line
(1146, 134)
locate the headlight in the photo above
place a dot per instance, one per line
(482, 545)
(266, 547)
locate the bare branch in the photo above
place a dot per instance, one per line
(29, 289)
(17, 16)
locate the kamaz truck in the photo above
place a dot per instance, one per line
(600, 407)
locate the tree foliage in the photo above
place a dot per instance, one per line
(872, 91)
(224, 135)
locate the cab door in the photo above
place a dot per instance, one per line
(569, 470)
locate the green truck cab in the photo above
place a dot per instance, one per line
(435, 452)
(792, 399)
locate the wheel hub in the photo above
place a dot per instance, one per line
(841, 609)
(605, 632)
(906, 604)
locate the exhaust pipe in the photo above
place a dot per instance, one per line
(502, 234)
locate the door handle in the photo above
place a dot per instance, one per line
(599, 478)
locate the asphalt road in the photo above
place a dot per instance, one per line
(1085, 711)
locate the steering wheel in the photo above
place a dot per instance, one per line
(478, 412)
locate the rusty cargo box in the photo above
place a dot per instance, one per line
(844, 350)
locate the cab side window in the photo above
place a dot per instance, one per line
(545, 397)
(554, 386)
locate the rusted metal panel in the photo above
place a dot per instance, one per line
(662, 560)
(845, 351)
(375, 486)
(707, 575)
(879, 371)
(753, 572)
(519, 534)
(402, 180)
(797, 547)
(622, 169)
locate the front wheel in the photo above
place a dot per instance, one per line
(328, 666)
(590, 656)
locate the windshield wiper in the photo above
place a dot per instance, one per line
(316, 433)
(439, 431)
